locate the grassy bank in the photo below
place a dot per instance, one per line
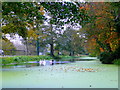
(21, 59)
(68, 57)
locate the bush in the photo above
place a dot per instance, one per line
(116, 53)
(117, 61)
(92, 55)
(7, 60)
(113, 57)
(106, 57)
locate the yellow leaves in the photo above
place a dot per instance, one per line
(42, 12)
(35, 34)
(25, 14)
(31, 33)
(44, 36)
(41, 8)
(111, 17)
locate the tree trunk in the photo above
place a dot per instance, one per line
(26, 47)
(51, 43)
(71, 53)
(58, 53)
(52, 49)
(37, 46)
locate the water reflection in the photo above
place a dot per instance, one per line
(44, 63)
(52, 62)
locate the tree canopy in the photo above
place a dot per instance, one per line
(44, 21)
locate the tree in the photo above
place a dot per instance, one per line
(102, 25)
(70, 41)
(62, 12)
(17, 16)
(103, 28)
(8, 47)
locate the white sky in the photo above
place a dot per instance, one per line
(15, 40)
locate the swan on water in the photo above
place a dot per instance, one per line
(42, 62)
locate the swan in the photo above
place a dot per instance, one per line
(42, 62)
(51, 62)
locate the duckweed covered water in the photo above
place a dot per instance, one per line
(78, 74)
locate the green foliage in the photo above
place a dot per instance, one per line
(106, 57)
(110, 57)
(59, 10)
(7, 46)
(92, 55)
(116, 53)
(104, 28)
(17, 15)
(68, 57)
(116, 61)
(7, 60)
(71, 42)
(21, 59)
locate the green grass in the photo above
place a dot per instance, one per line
(21, 59)
(116, 61)
(69, 57)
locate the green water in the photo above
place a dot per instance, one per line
(71, 75)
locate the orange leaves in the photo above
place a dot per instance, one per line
(81, 7)
(112, 40)
(86, 7)
(101, 49)
(91, 43)
(100, 23)
(102, 26)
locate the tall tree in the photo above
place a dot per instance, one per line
(17, 16)
(101, 28)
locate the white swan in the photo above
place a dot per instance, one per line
(42, 62)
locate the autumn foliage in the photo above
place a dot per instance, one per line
(102, 31)
(101, 28)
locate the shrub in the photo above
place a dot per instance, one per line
(117, 61)
(7, 60)
(106, 58)
(117, 53)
